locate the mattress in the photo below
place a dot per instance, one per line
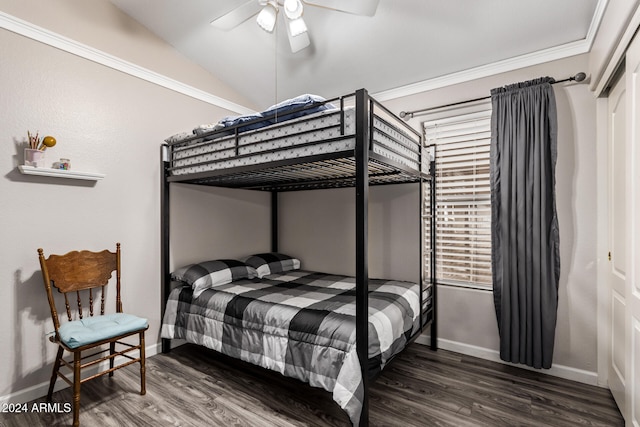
(328, 131)
(301, 324)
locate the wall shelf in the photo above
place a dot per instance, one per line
(59, 173)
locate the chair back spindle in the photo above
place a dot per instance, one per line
(68, 307)
(91, 302)
(79, 304)
(102, 301)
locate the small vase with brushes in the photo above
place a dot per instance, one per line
(34, 154)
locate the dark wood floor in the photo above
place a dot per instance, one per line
(192, 386)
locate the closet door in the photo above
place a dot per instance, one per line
(617, 242)
(633, 227)
(624, 237)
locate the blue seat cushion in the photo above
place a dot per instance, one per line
(97, 328)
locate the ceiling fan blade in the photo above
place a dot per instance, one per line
(356, 7)
(237, 16)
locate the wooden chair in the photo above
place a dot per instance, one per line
(87, 273)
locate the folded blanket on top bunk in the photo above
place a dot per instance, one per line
(286, 110)
(298, 323)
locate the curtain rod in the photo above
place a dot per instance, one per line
(409, 114)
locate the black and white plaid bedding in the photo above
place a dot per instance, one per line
(299, 323)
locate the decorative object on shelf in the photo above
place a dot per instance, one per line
(34, 161)
(47, 141)
(63, 164)
(34, 141)
(33, 158)
(34, 153)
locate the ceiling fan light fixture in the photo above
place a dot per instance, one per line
(293, 9)
(299, 41)
(297, 27)
(267, 17)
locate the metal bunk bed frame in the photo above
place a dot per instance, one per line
(361, 180)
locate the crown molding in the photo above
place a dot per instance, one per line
(535, 58)
(600, 84)
(598, 15)
(50, 38)
(546, 55)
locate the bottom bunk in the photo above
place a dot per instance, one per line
(296, 322)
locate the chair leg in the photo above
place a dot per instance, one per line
(143, 383)
(76, 388)
(54, 375)
(112, 349)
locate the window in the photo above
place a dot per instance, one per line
(463, 198)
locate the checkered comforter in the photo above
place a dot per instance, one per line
(299, 323)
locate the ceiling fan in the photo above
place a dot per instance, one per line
(267, 11)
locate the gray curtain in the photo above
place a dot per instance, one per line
(525, 256)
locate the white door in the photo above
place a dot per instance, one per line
(632, 170)
(617, 242)
(624, 237)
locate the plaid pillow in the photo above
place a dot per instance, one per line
(270, 263)
(207, 274)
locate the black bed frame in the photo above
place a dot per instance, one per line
(266, 177)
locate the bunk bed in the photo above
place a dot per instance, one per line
(349, 141)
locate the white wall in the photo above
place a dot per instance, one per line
(319, 227)
(213, 223)
(109, 122)
(100, 25)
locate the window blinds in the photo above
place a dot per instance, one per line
(463, 198)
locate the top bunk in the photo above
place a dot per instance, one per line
(300, 144)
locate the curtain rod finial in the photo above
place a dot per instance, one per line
(579, 77)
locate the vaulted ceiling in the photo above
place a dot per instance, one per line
(406, 43)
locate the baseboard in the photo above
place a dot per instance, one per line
(561, 371)
(39, 390)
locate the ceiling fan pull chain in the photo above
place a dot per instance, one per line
(275, 66)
